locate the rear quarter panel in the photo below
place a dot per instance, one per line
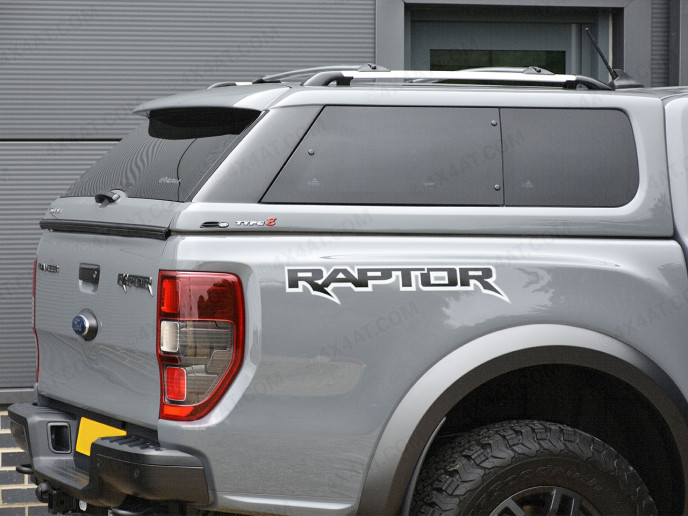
(322, 377)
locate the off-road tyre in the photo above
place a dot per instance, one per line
(533, 468)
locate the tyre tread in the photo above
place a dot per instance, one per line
(454, 471)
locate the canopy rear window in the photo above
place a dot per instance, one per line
(168, 157)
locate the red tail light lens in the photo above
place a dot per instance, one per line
(169, 297)
(175, 383)
(200, 340)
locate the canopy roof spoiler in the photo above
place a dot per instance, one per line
(256, 97)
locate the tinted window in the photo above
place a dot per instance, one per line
(168, 156)
(568, 157)
(395, 155)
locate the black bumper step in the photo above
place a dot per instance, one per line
(118, 466)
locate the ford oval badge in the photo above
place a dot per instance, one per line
(85, 325)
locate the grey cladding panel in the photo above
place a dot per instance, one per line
(31, 176)
(75, 69)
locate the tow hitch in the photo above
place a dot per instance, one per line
(58, 501)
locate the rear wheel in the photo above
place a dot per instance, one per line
(532, 468)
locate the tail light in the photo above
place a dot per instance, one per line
(33, 316)
(200, 340)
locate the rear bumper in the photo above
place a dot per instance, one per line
(117, 466)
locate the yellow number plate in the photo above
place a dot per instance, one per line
(90, 430)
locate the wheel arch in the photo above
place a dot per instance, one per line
(417, 417)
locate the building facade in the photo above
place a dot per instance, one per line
(72, 71)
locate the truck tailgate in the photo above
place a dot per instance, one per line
(110, 281)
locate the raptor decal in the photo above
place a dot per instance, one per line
(322, 281)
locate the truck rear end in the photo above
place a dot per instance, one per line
(123, 342)
(275, 299)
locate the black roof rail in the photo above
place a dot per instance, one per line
(531, 74)
(368, 67)
(278, 77)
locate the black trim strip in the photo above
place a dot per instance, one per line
(107, 228)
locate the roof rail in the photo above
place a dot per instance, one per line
(368, 67)
(531, 75)
(228, 83)
(278, 77)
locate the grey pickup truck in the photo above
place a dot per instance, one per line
(371, 292)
